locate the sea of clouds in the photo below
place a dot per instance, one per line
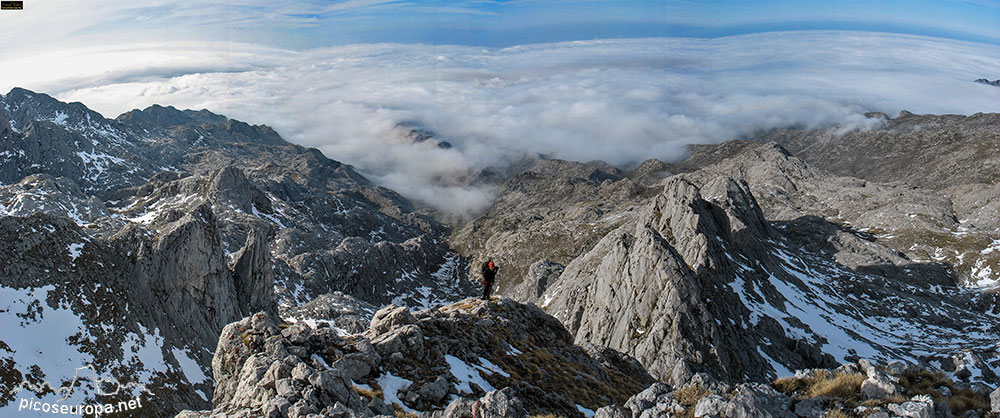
(621, 101)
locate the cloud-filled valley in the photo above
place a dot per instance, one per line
(622, 101)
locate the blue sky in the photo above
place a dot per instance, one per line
(46, 25)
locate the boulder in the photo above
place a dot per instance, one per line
(811, 407)
(351, 368)
(922, 406)
(751, 400)
(431, 393)
(895, 368)
(879, 385)
(276, 408)
(711, 406)
(459, 408)
(390, 317)
(760, 401)
(612, 411)
(500, 404)
(648, 398)
(866, 366)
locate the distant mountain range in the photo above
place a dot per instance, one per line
(204, 264)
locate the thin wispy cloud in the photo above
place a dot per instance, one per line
(356, 4)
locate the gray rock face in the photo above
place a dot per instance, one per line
(540, 274)
(495, 404)
(390, 317)
(656, 400)
(811, 407)
(704, 397)
(43, 135)
(711, 406)
(186, 270)
(663, 263)
(895, 223)
(948, 215)
(653, 171)
(895, 368)
(758, 401)
(254, 276)
(164, 296)
(459, 408)
(256, 374)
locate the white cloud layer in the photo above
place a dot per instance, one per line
(622, 101)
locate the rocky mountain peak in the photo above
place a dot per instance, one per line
(417, 133)
(667, 261)
(22, 107)
(169, 116)
(229, 185)
(995, 83)
(651, 171)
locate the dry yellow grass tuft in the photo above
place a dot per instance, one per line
(967, 400)
(691, 394)
(798, 386)
(927, 383)
(842, 385)
(689, 397)
(402, 413)
(369, 393)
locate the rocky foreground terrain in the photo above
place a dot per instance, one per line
(206, 265)
(407, 362)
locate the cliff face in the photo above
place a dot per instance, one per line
(658, 288)
(133, 305)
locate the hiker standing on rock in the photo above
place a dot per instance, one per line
(489, 271)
